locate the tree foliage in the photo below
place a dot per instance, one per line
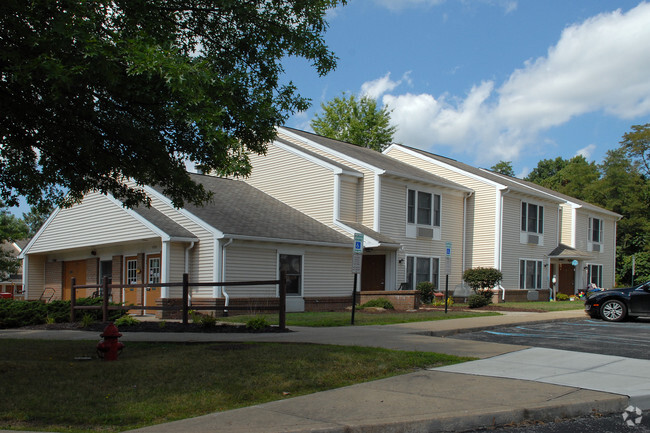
(357, 121)
(636, 145)
(504, 167)
(93, 93)
(574, 177)
(11, 229)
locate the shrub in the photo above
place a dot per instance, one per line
(441, 303)
(482, 281)
(476, 300)
(257, 323)
(379, 302)
(207, 321)
(426, 289)
(562, 297)
(87, 320)
(14, 314)
(126, 321)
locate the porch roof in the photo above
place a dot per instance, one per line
(563, 251)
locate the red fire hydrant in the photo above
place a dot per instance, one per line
(110, 348)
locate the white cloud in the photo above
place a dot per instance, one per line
(587, 151)
(403, 4)
(378, 87)
(599, 65)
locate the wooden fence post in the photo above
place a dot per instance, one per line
(186, 291)
(282, 320)
(105, 299)
(73, 297)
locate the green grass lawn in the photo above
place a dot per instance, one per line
(360, 317)
(545, 306)
(45, 388)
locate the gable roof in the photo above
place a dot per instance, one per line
(382, 163)
(241, 211)
(483, 174)
(163, 222)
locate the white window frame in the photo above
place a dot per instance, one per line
(301, 281)
(538, 276)
(413, 208)
(131, 271)
(539, 218)
(433, 274)
(149, 268)
(599, 274)
(590, 233)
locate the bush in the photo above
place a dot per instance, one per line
(562, 297)
(126, 321)
(426, 289)
(482, 281)
(476, 300)
(207, 321)
(257, 323)
(380, 303)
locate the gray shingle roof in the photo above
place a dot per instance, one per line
(237, 209)
(163, 222)
(566, 252)
(376, 159)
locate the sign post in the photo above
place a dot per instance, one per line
(448, 246)
(357, 255)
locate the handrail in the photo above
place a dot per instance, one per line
(40, 298)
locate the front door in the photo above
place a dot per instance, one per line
(153, 277)
(373, 272)
(76, 269)
(131, 295)
(566, 279)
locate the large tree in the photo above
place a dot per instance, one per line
(504, 167)
(12, 229)
(94, 93)
(636, 145)
(358, 121)
(575, 177)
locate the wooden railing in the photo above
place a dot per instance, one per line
(105, 288)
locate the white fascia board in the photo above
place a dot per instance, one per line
(213, 230)
(38, 233)
(446, 166)
(368, 242)
(318, 161)
(375, 170)
(461, 190)
(287, 241)
(538, 191)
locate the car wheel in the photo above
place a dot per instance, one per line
(613, 311)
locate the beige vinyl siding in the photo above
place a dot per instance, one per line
(582, 229)
(514, 250)
(296, 181)
(366, 191)
(328, 272)
(607, 256)
(176, 262)
(393, 224)
(349, 191)
(250, 263)
(35, 276)
(481, 209)
(96, 220)
(566, 236)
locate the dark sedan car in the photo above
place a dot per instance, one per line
(615, 305)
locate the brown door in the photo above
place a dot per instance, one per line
(76, 269)
(373, 272)
(566, 279)
(153, 277)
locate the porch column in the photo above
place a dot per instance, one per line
(164, 268)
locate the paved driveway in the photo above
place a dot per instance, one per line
(628, 339)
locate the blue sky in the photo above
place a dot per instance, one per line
(488, 80)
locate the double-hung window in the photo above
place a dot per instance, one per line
(595, 230)
(530, 274)
(419, 269)
(291, 266)
(423, 208)
(532, 218)
(595, 275)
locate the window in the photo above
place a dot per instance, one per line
(292, 266)
(423, 208)
(132, 271)
(419, 269)
(154, 270)
(106, 270)
(530, 274)
(532, 218)
(595, 275)
(595, 230)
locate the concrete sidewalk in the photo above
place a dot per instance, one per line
(509, 384)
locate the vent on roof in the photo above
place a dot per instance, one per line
(533, 239)
(424, 232)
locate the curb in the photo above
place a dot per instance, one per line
(448, 332)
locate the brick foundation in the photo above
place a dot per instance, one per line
(402, 300)
(253, 306)
(328, 304)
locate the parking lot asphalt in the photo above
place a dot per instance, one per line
(629, 339)
(480, 395)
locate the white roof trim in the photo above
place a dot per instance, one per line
(215, 231)
(39, 232)
(164, 236)
(325, 149)
(368, 242)
(445, 165)
(317, 161)
(513, 180)
(288, 241)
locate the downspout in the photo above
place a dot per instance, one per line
(223, 273)
(499, 248)
(187, 267)
(464, 259)
(26, 277)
